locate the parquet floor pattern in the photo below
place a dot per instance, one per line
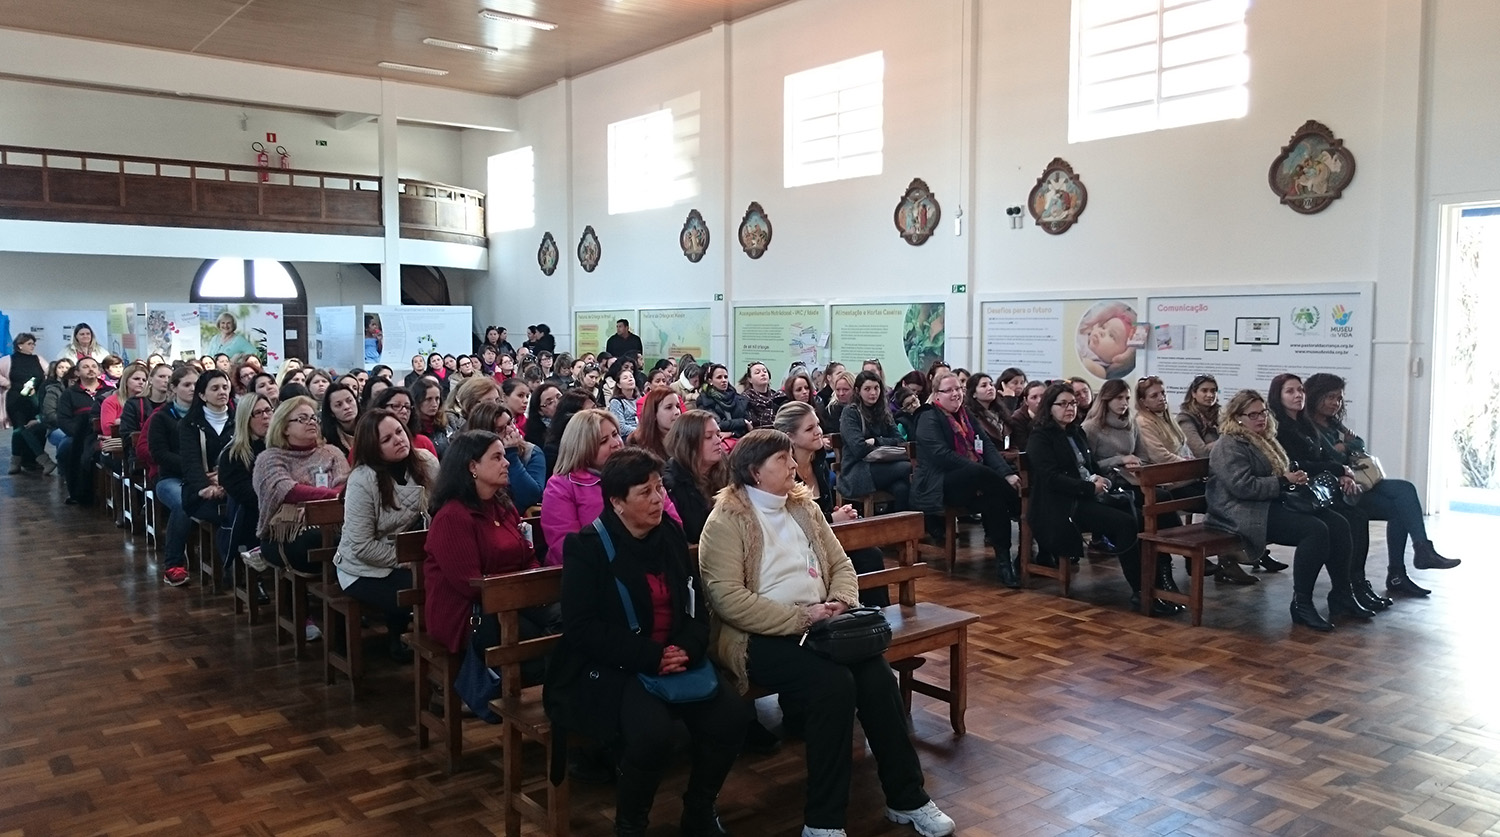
(131, 708)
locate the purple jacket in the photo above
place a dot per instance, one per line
(571, 502)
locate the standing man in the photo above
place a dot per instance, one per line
(623, 343)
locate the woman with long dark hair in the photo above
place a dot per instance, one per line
(867, 424)
(982, 402)
(1199, 415)
(720, 398)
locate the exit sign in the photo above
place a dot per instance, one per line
(320, 142)
(960, 289)
(270, 137)
(718, 297)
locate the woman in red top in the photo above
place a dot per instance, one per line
(475, 532)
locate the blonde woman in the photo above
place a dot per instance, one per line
(83, 345)
(227, 339)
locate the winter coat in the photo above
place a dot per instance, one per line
(936, 456)
(1057, 487)
(854, 472)
(569, 503)
(1241, 489)
(730, 408)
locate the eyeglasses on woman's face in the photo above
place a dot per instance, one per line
(1069, 404)
(304, 418)
(261, 412)
(1255, 415)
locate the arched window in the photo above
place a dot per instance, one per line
(258, 280)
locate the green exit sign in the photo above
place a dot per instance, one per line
(960, 289)
(321, 142)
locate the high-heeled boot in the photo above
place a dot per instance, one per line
(1365, 594)
(1398, 583)
(1428, 558)
(711, 765)
(1166, 581)
(1343, 603)
(635, 790)
(1304, 612)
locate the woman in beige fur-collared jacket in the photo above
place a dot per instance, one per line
(771, 567)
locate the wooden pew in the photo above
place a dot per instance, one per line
(1063, 571)
(293, 587)
(1194, 541)
(916, 627)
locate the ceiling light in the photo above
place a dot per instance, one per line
(411, 68)
(462, 47)
(507, 17)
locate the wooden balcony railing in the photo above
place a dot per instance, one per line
(78, 186)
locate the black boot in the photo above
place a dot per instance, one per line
(1304, 612)
(1398, 583)
(1365, 595)
(1008, 577)
(1343, 603)
(1269, 564)
(635, 791)
(1164, 579)
(712, 762)
(1158, 607)
(1427, 558)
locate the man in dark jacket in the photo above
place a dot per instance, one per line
(622, 342)
(77, 408)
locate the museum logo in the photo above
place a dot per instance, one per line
(1305, 318)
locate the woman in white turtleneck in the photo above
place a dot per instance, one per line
(201, 435)
(771, 567)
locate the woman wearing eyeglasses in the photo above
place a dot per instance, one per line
(958, 464)
(252, 419)
(1066, 490)
(1248, 470)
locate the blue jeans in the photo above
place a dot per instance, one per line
(179, 525)
(1396, 502)
(55, 438)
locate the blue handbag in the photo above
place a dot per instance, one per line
(700, 682)
(476, 683)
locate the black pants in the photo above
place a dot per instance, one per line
(380, 593)
(869, 560)
(1396, 502)
(1120, 527)
(894, 477)
(829, 696)
(1321, 539)
(78, 468)
(983, 490)
(294, 554)
(717, 727)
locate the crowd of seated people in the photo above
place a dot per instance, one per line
(679, 455)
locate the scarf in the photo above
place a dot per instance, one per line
(1166, 429)
(963, 434)
(1266, 444)
(279, 470)
(722, 398)
(763, 405)
(1206, 419)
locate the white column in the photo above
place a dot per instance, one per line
(390, 201)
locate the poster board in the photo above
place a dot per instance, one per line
(592, 329)
(393, 333)
(169, 329)
(53, 328)
(1246, 339)
(238, 328)
(673, 332)
(336, 339)
(1087, 337)
(903, 336)
(121, 332)
(778, 336)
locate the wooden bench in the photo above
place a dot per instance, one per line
(1194, 541)
(1062, 571)
(293, 587)
(245, 584)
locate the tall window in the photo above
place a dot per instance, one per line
(1144, 65)
(835, 121)
(641, 163)
(258, 280)
(512, 192)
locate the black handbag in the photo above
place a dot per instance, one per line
(476, 683)
(853, 636)
(1316, 495)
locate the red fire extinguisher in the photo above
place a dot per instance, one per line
(286, 161)
(262, 160)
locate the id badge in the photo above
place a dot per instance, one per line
(979, 446)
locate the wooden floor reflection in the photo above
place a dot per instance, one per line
(132, 708)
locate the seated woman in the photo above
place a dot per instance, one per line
(528, 467)
(959, 465)
(659, 413)
(570, 404)
(23, 407)
(1308, 451)
(539, 413)
(688, 384)
(340, 410)
(867, 424)
(1392, 500)
(622, 402)
(602, 649)
(296, 467)
(840, 396)
(771, 568)
(132, 385)
(798, 387)
(571, 499)
(468, 395)
(386, 495)
(1248, 470)
(1199, 415)
(697, 467)
(252, 420)
(1010, 383)
(515, 394)
(1066, 482)
(265, 384)
(798, 421)
(202, 434)
(982, 403)
(720, 398)
(428, 417)
(1025, 415)
(475, 531)
(165, 445)
(317, 384)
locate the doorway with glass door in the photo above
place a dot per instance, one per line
(1466, 418)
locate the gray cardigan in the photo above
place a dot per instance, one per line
(1112, 444)
(1240, 491)
(367, 548)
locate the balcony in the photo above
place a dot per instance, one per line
(51, 185)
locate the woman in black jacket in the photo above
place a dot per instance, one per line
(201, 435)
(865, 425)
(592, 685)
(165, 445)
(697, 468)
(1065, 488)
(720, 398)
(252, 419)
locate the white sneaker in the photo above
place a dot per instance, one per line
(927, 820)
(809, 831)
(313, 633)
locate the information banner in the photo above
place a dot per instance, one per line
(336, 341)
(393, 333)
(53, 328)
(778, 336)
(1048, 339)
(902, 336)
(121, 331)
(171, 329)
(674, 332)
(239, 328)
(592, 329)
(1246, 340)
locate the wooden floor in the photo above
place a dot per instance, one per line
(132, 708)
